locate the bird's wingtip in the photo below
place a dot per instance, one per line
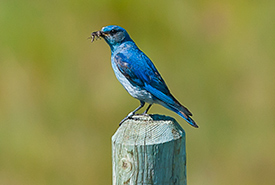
(188, 119)
(192, 122)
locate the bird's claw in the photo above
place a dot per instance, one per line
(127, 117)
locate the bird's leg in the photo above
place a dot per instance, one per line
(145, 112)
(142, 103)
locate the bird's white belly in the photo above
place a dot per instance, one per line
(134, 91)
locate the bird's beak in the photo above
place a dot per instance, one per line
(96, 35)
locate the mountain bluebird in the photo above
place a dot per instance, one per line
(137, 74)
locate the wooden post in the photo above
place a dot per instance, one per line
(149, 150)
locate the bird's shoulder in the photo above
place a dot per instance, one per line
(130, 55)
(128, 49)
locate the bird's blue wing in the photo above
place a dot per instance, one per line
(140, 71)
(125, 66)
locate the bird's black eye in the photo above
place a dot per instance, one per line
(113, 32)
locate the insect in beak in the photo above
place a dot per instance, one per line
(96, 35)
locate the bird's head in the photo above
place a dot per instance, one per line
(113, 35)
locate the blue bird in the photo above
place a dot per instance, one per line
(137, 74)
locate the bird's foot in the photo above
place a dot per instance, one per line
(145, 113)
(127, 117)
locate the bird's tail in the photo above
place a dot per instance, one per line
(183, 112)
(187, 118)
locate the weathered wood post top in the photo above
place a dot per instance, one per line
(149, 149)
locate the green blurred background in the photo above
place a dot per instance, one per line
(60, 102)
